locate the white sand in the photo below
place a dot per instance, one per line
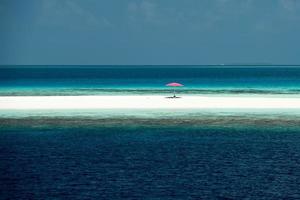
(146, 102)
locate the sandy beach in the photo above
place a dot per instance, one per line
(145, 102)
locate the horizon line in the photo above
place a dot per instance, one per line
(149, 65)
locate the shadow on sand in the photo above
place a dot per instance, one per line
(174, 97)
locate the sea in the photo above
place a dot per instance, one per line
(150, 154)
(123, 80)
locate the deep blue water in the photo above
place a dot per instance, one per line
(82, 80)
(149, 163)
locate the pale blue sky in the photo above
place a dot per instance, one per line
(149, 31)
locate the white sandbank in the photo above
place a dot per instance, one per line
(145, 102)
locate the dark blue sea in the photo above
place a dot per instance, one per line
(149, 154)
(88, 160)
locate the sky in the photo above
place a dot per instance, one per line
(149, 32)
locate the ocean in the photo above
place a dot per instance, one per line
(149, 154)
(127, 80)
(69, 158)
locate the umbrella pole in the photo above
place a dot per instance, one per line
(174, 93)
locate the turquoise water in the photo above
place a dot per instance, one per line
(127, 80)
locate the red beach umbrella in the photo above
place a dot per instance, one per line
(174, 85)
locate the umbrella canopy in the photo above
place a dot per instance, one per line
(174, 85)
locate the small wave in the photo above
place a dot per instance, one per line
(101, 91)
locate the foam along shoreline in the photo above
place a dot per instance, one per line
(145, 102)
